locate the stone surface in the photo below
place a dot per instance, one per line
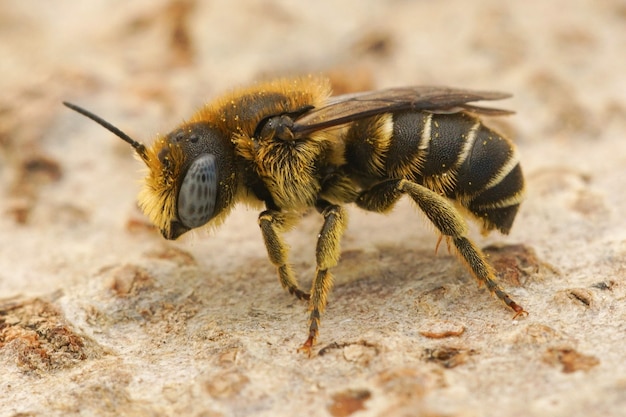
(100, 316)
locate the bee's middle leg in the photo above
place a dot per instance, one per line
(327, 255)
(271, 223)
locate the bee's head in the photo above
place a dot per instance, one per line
(191, 177)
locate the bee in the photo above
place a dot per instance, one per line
(287, 146)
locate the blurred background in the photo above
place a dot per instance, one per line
(67, 198)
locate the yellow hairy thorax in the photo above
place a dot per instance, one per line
(236, 115)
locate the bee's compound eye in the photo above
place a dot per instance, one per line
(198, 193)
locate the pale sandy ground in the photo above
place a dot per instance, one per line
(100, 316)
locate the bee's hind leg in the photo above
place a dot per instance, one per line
(381, 198)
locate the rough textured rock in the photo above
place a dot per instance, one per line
(100, 316)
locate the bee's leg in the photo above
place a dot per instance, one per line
(272, 222)
(327, 255)
(446, 218)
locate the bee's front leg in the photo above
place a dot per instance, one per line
(272, 222)
(327, 255)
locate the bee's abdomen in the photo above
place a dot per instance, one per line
(453, 154)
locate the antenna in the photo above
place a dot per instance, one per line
(140, 148)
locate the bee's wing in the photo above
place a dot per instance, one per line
(350, 107)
